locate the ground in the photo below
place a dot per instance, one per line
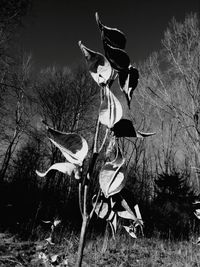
(122, 252)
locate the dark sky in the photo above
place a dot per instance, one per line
(54, 28)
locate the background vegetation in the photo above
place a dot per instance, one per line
(162, 176)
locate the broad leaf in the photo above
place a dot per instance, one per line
(64, 167)
(128, 80)
(130, 231)
(118, 58)
(99, 67)
(126, 215)
(110, 109)
(111, 177)
(112, 36)
(73, 147)
(124, 128)
(103, 207)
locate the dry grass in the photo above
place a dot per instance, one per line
(122, 252)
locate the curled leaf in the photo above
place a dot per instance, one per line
(111, 177)
(112, 36)
(143, 134)
(117, 57)
(64, 167)
(128, 80)
(110, 109)
(73, 146)
(99, 67)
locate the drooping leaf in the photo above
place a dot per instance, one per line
(128, 80)
(113, 224)
(99, 67)
(111, 110)
(124, 128)
(117, 57)
(111, 177)
(130, 231)
(137, 211)
(73, 146)
(112, 36)
(64, 167)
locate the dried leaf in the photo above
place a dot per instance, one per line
(112, 36)
(73, 147)
(110, 110)
(99, 67)
(64, 167)
(128, 80)
(103, 207)
(111, 177)
(118, 58)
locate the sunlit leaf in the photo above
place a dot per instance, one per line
(56, 222)
(118, 58)
(197, 213)
(111, 110)
(137, 211)
(99, 67)
(130, 231)
(47, 222)
(143, 134)
(73, 147)
(111, 177)
(64, 167)
(49, 241)
(128, 80)
(54, 258)
(112, 36)
(126, 215)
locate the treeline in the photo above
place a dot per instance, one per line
(162, 171)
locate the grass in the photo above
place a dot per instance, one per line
(122, 252)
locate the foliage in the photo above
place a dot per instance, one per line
(173, 205)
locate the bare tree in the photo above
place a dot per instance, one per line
(171, 81)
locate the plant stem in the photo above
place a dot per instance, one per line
(82, 241)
